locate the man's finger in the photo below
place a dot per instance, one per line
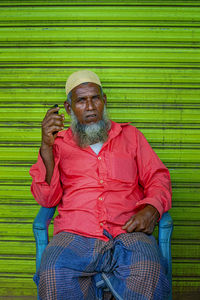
(54, 128)
(131, 225)
(52, 118)
(51, 122)
(127, 224)
(52, 110)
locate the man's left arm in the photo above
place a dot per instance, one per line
(155, 180)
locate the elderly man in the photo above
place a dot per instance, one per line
(111, 189)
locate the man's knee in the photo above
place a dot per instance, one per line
(141, 266)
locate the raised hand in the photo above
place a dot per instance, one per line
(52, 122)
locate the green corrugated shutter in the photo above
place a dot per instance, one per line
(148, 57)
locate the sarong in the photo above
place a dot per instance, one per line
(74, 267)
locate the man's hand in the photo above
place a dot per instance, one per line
(52, 122)
(144, 221)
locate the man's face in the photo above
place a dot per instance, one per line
(87, 103)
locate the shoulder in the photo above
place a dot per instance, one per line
(128, 128)
(62, 138)
(126, 133)
(62, 142)
(131, 130)
(62, 135)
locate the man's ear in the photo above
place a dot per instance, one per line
(105, 99)
(67, 107)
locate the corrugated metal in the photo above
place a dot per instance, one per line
(148, 56)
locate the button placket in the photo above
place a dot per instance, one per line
(102, 167)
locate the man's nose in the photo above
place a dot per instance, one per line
(89, 104)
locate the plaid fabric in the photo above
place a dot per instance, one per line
(77, 267)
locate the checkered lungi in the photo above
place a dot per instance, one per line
(77, 267)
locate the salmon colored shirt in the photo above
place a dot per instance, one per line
(97, 192)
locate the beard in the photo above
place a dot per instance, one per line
(86, 135)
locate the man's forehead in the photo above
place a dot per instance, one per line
(86, 89)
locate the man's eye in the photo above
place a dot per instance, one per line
(80, 99)
(96, 97)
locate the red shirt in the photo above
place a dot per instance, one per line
(97, 192)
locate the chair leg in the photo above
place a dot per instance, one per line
(38, 298)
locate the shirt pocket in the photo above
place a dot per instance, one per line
(122, 167)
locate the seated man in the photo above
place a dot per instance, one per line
(111, 189)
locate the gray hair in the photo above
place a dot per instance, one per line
(69, 96)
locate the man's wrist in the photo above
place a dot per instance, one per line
(46, 152)
(154, 210)
(46, 146)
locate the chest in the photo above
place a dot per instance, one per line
(114, 161)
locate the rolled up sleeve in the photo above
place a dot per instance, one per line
(153, 176)
(46, 195)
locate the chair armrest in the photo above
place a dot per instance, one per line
(40, 230)
(164, 241)
(165, 233)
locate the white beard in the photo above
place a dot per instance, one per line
(86, 135)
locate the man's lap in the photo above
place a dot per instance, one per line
(74, 265)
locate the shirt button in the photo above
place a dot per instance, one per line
(100, 198)
(101, 224)
(99, 158)
(101, 181)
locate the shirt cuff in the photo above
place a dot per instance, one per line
(155, 203)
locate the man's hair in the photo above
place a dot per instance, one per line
(69, 96)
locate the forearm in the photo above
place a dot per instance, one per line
(46, 194)
(46, 153)
(53, 122)
(158, 193)
(154, 177)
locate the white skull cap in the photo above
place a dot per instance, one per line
(79, 77)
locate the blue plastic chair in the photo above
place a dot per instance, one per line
(43, 219)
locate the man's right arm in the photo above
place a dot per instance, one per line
(46, 187)
(51, 123)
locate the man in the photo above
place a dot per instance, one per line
(111, 189)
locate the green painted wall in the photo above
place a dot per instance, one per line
(147, 54)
